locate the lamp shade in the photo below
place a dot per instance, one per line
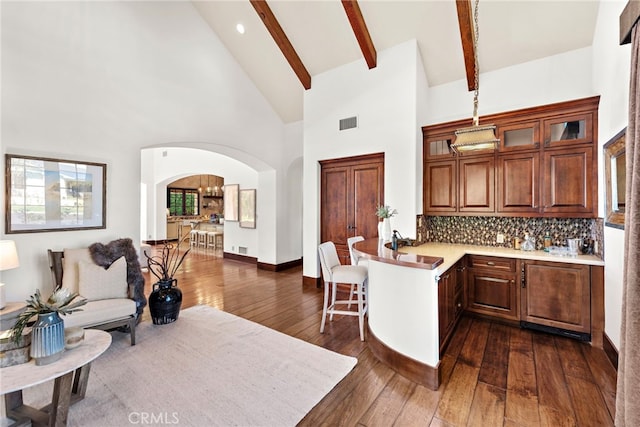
(8, 255)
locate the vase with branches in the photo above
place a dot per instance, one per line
(385, 212)
(166, 298)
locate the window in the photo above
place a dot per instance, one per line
(182, 201)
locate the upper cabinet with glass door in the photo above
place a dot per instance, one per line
(519, 136)
(439, 146)
(565, 130)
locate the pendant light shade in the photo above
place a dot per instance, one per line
(475, 137)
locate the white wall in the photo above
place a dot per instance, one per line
(611, 69)
(552, 79)
(165, 165)
(384, 99)
(100, 81)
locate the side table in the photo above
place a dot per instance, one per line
(70, 375)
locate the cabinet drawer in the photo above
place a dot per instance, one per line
(492, 263)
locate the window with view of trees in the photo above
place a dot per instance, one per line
(182, 201)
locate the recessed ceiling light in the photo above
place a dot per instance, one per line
(240, 28)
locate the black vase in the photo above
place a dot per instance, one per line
(165, 301)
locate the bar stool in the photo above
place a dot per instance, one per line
(202, 238)
(211, 239)
(333, 273)
(193, 238)
(219, 239)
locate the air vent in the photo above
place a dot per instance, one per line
(349, 123)
(164, 153)
(242, 250)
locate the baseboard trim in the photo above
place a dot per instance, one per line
(312, 281)
(610, 351)
(280, 267)
(409, 368)
(241, 258)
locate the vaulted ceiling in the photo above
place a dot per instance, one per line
(323, 35)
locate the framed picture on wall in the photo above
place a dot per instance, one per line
(248, 208)
(44, 194)
(231, 193)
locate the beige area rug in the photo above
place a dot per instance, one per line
(210, 368)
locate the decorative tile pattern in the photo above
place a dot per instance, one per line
(482, 230)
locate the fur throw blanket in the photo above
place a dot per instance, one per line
(104, 255)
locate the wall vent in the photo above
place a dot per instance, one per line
(242, 250)
(349, 123)
(164, 153)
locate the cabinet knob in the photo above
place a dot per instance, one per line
(491, 263)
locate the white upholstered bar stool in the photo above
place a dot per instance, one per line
(202, 238)
(333, 273)
(356, 260)
(193, 237)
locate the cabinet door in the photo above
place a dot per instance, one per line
(493, 293)
(519, 182)
(570, 182)
(335, 216)
(519, 136)
(477, 184)
(440, 186)
(438, 147)
(446, 306)
(568, 130)
(557, 295)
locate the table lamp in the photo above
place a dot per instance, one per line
(8, 260)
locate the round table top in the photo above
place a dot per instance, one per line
(19, 377)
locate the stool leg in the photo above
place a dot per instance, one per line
(324, 306)
(334, 291)
(361, 311)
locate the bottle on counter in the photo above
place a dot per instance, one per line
(516, 243)
(547, 242)
(394, 240)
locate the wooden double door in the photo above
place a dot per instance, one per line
(351, 189)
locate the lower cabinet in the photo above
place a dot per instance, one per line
(492, 287)
(556, 295)
(450, 301)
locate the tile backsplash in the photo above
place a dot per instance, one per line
(482, 230)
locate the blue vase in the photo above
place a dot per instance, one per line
(47, 338)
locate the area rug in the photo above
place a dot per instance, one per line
(209, 368)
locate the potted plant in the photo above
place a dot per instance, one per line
(384, 212)
(166, 298)
(47, 333)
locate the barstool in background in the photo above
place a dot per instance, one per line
(193, 237)
(356, 260)
(202, 239)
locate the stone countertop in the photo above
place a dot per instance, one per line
(444, 255)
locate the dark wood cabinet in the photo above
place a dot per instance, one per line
(440, 186)
(518, 186)
(491, 287)
(556, 178)
(450, 302)
(477, 186)
(351, 189)
(557, 295)
(569, 181)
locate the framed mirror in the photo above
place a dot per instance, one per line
(615, 180)
(44, 194)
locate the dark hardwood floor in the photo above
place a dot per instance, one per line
(493, 374)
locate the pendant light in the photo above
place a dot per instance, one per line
(208, 186)
(475, 137)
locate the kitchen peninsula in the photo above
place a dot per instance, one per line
(417, 294)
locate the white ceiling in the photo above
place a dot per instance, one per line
(511, 32)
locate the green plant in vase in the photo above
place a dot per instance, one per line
(61, 302)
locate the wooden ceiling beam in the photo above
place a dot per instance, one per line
(281, 39)
(361, 32)
(465, 21)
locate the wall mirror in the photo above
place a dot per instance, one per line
(44, 194)
(615, 180)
